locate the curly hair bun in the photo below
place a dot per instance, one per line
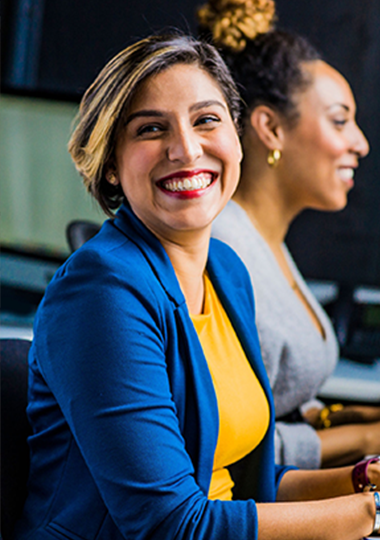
(233, 22)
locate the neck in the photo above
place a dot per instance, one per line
(188, 255)
(261, 195)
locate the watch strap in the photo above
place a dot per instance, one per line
(360, 478)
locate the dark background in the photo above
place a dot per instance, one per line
(55, 48)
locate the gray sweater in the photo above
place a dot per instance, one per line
(297, 358)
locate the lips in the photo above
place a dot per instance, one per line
(192, 183)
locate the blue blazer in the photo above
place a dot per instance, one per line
(121, 401)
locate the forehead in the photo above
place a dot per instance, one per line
(181, 83)
(328, 88)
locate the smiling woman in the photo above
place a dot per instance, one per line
(146, 383)
(178, 158)
(301, 147)
(322, 150)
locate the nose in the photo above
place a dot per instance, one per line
(360, 144)
(184, 145)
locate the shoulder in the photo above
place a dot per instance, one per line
(227, 267)
(110, 256)
(234, 227)
(105, 296)
(230, 222)
(108, 274)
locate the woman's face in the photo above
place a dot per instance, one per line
(321, 153)
(178, 157)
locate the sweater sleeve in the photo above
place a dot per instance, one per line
(102, 351)
(297, 444)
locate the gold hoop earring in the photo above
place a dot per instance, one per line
(112, 178)
(274, 157)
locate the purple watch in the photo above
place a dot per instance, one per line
(360, 478)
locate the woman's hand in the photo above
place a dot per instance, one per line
(373, 473)
(355, 414)
(349, 517)
(349, 414)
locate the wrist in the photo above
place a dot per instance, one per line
(373, 511)
(376, 527)
(360, 479)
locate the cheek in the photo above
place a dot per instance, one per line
(230, 151)
(139, 158)
(333, 148)
(330, 143)
(318, 142)
(239, 150)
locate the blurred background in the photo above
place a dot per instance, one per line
(52, 50)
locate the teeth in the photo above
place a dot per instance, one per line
(202, 181)
(346, 174)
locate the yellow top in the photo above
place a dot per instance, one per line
(242, 404)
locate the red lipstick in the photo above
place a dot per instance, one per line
(174, 186)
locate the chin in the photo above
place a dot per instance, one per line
(337, 206)
(190, 224)
(331, 205)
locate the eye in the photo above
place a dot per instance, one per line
(340, 123)
(149, 129)
(208, 120)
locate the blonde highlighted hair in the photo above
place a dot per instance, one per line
(104, 105)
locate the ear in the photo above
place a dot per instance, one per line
(112, 176)
(268, 126)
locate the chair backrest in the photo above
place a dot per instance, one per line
(79, 231)
(15, 429)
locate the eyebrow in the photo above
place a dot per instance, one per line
(208, 103)
(158, 114)
(143, 113)
(345, 107)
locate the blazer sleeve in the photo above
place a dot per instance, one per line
(102, 351)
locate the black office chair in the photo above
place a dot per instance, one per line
(79, 231)
(15, 429)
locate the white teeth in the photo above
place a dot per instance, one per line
(192, 183)
(346, 174)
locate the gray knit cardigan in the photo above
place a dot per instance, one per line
(297, 358)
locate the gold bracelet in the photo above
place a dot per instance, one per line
(323, 421)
